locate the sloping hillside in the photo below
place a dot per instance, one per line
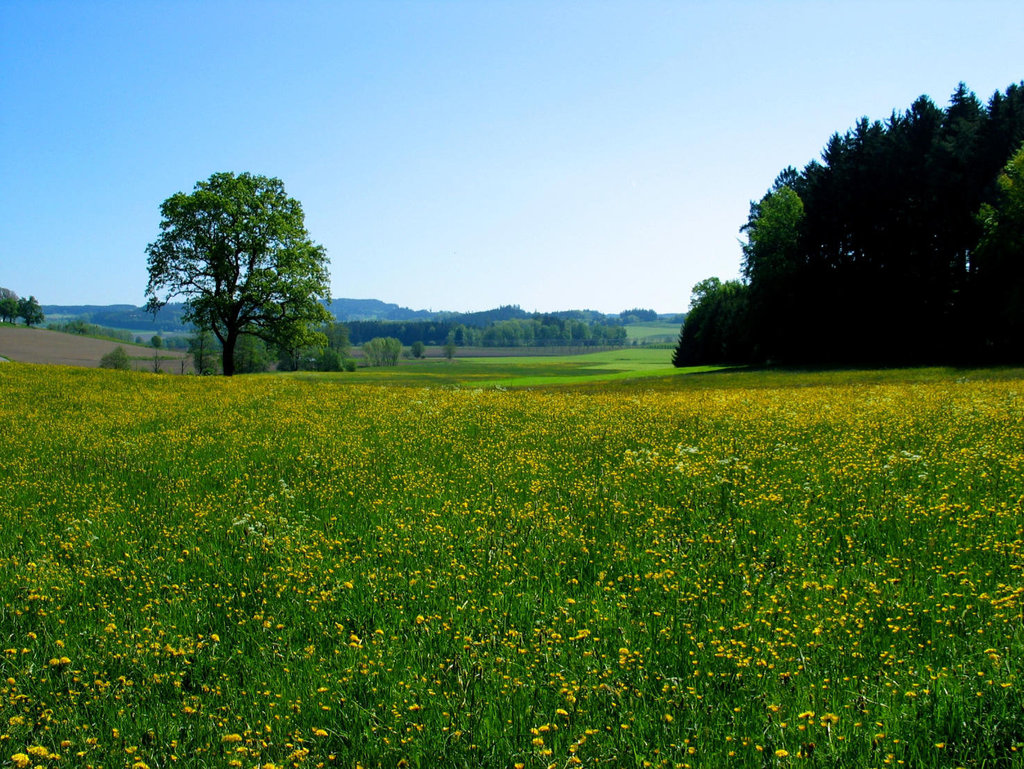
(36, 345)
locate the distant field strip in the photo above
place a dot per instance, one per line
(519, 371)
(653, 332)
(627, 363)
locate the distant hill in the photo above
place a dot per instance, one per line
(123, 316)
(374, 309)
(126, 316)
(168, 320)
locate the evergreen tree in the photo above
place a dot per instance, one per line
(871, 255)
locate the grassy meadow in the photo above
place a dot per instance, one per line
(627, 363)
(653, 332)
(727, 569)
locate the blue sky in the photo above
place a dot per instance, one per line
(453, 155)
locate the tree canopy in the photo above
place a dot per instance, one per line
(1000, 259)
(901, 245)
(30, 311)
(8, 305)
(237, 251)
(382, 351)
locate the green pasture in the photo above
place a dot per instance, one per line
(519, 371)
(653, 332)
(621, 369)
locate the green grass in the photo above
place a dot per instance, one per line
(519, 371)
(653, 332)
(755, 569)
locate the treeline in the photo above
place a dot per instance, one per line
(125, 316)
(83, 328)
(904, 244)
(252, 355)
(530, 331)
(14, 308)
(383, 342)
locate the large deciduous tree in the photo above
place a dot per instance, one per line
(999, 265)
(769, 255)
(237, 250)
(716, 329)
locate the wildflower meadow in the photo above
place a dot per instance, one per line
(271, 571)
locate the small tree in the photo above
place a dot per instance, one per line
(251, 355)
(382, 351)
(418, 348)
(449, 346)
(337, 338)
(8, 305)
(157, 343)
(116, 359)
(201, 347)
(30, 311)
(331, 357)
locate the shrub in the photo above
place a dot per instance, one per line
(116, 358)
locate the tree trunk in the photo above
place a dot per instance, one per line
(228, 353)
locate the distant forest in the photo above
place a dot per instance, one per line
(366, 319)
(507, 326)
(904, 244)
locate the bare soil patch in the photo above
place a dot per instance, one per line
(37, 345)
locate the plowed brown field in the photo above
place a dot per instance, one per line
(36, 345)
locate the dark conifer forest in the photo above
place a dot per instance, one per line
(903, 244)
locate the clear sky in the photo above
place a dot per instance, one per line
(453, 155)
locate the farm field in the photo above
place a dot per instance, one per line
(627, 363)
(38, 345)
(750, 569)
(653, 332)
